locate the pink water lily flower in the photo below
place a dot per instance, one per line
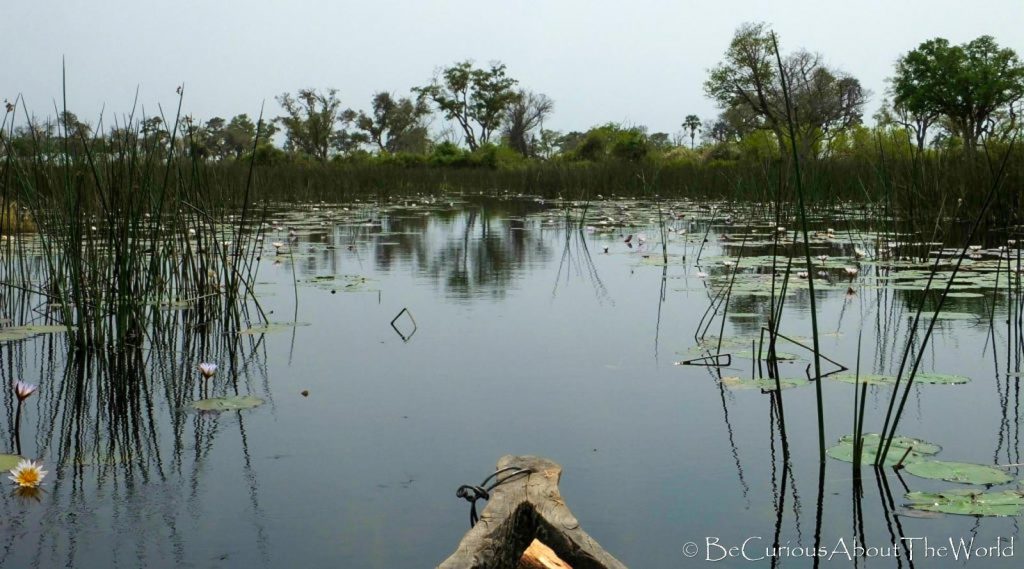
(207, 369)
(24, 390)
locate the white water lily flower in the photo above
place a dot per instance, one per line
(23, 390)
(28, 474)
(207, 369)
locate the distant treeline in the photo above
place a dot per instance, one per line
(948, 113)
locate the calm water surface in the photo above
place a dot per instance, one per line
(528, 339)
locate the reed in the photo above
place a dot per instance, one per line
(128, 230)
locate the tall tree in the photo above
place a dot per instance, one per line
(476, 99)
(395, 125)
(825, 100)
(315, 123)
(967, 84)
(524, 116)
(692, 123)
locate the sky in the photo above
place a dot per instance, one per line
(641, 62)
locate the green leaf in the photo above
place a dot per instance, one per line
(235, 403)
(9, 461)
(272, 327)
(15, 333)
(762, 384)
(968, 502)
(963, 472)
(919, 449)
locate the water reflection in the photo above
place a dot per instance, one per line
(479, 249)
(124, 449)
(389, 426)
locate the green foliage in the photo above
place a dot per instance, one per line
(966, 84)
(476, 99)
(612, 141)
(749, 82)
(395, 125)
(314, 124)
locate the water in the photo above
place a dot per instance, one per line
(528, 339)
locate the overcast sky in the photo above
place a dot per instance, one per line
(639, 62)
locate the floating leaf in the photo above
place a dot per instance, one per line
(921, 378)
(781, 356)
(234, 403)
(15, 333)
(962, 472)
(864, 378)
(272, 327)
(954, 316)
(941, 379)
(919, 449)
(968, 502)
(762, 384)
(9, 461)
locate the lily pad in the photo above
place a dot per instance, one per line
(962, 472)
(781, 356)
(762, 384)
(272, 327)
(864, 378)
(955, 316)
(235, 403)
(921, 378)
(968, 502)
(9, 461)
(15, 333)
(941, 379)
(919, 449)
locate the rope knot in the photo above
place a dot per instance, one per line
(472, 494)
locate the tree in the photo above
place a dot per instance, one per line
(692, 123)
(660, 141)
(395, 125)
(525, 115)
(915, 122)
(237, 137)
(824, 101)
(476, 99)
(315, 124)
(967, 84)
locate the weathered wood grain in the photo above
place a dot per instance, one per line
(525, 508)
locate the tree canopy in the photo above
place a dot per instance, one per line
(475, 98)
(824, 100)
(965, 84)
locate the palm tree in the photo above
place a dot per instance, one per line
(692, 122)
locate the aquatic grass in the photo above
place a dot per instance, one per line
(802, 209)
(892, 420)
(129, 225)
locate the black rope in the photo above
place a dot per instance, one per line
(483, 492)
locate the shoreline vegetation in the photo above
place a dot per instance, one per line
(948, 114)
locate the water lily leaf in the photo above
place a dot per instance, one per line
(272, 327)
(962, 472)
(941, 379)
(234, 403)
(781, 356)
(762, 384)
(954, 316)
(868, 378)
(968, 502)
(15, 333)
(921, 378)
(919, 449)
(9, 461)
